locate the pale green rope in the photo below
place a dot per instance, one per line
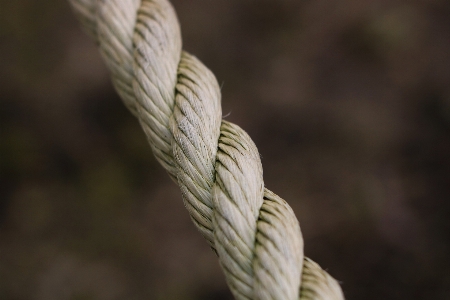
(216, 164)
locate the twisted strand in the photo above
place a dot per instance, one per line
(216, 164)
(237, 196)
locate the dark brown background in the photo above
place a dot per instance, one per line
(348, 102)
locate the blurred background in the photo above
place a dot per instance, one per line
(348, 102)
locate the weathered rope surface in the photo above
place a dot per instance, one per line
(217, 166)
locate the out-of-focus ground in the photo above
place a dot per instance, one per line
(349, 105)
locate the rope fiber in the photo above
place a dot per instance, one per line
(215, 163)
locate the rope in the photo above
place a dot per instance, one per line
(216, 164)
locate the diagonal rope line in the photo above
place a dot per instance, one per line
(216, 164)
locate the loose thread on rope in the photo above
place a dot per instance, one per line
(215, 163)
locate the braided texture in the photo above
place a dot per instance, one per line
(216, 164)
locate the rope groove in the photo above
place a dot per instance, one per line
(216, 164)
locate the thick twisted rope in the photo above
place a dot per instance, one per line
(217, 166)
